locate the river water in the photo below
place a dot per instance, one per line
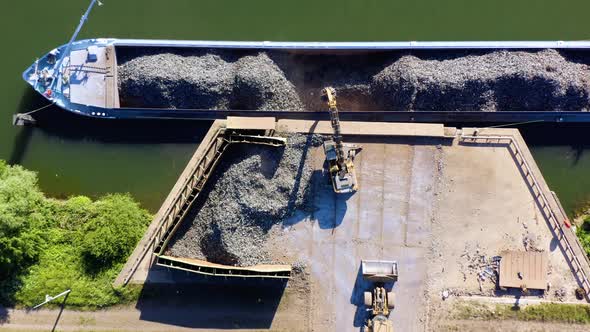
(76, 156)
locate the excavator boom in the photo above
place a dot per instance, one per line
(330, 96)
(340, 156)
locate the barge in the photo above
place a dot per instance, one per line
(86, 83)
(92, 78)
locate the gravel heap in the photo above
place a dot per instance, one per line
(495, 81)
(544, 80)
(261, 85)
(206, 80)
(175, 81)
(253, 188)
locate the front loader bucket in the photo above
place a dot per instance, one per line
(379, 271)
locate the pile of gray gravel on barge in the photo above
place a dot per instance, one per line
(498, 81)
(207, 81)
(545, 80)
(254, 188)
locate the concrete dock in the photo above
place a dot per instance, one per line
(386, 219)
(427, 195)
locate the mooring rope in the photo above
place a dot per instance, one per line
(38, 109)
(513, 124)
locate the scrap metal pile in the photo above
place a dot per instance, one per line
(207, 80)
(254, 188)
(497, 81)
(504, 80)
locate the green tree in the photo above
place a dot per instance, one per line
(21, 224)
(583, 233)
(49, 245)
(113, 231)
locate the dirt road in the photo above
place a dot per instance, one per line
(181, 307)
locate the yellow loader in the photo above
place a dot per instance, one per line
(379, 301)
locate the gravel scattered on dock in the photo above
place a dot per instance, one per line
(503, 80)
(253, 188)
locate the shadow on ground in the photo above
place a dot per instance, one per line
(61, 310)
(4, 317)
(211, 302)
(336, 209)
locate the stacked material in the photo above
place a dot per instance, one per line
(206, 81)
(497, 81)
(503, 80)
(254, 188)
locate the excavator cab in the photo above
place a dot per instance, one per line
(340, 156)
(342, 181)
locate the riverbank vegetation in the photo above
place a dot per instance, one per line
(544, 312)
(48, 246)
(582, 221)
(583, 232)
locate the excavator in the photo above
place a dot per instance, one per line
(340, 156)
(379, 301)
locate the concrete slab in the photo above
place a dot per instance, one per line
(485, 207)
(262, 123)
(373, 223)
(363, 128)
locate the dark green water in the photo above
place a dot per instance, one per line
(92, 158)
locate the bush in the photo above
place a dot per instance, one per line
(583, 233)
(22, 227)
(49, 245)
(111, 234)
(61, 268)
(73, 213)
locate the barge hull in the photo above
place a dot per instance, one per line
(111, 109)
(378, 116)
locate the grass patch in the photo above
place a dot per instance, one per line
(583, 233)
(545, 312)
(48, 246)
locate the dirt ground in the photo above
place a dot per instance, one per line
(430, 204)
(434, 207)
(482, 196)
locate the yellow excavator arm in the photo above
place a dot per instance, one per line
(330, 94)
(339, 157)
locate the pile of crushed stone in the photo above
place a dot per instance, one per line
(252, 189)
(496, 81)
(504, 80)
(206, 81)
